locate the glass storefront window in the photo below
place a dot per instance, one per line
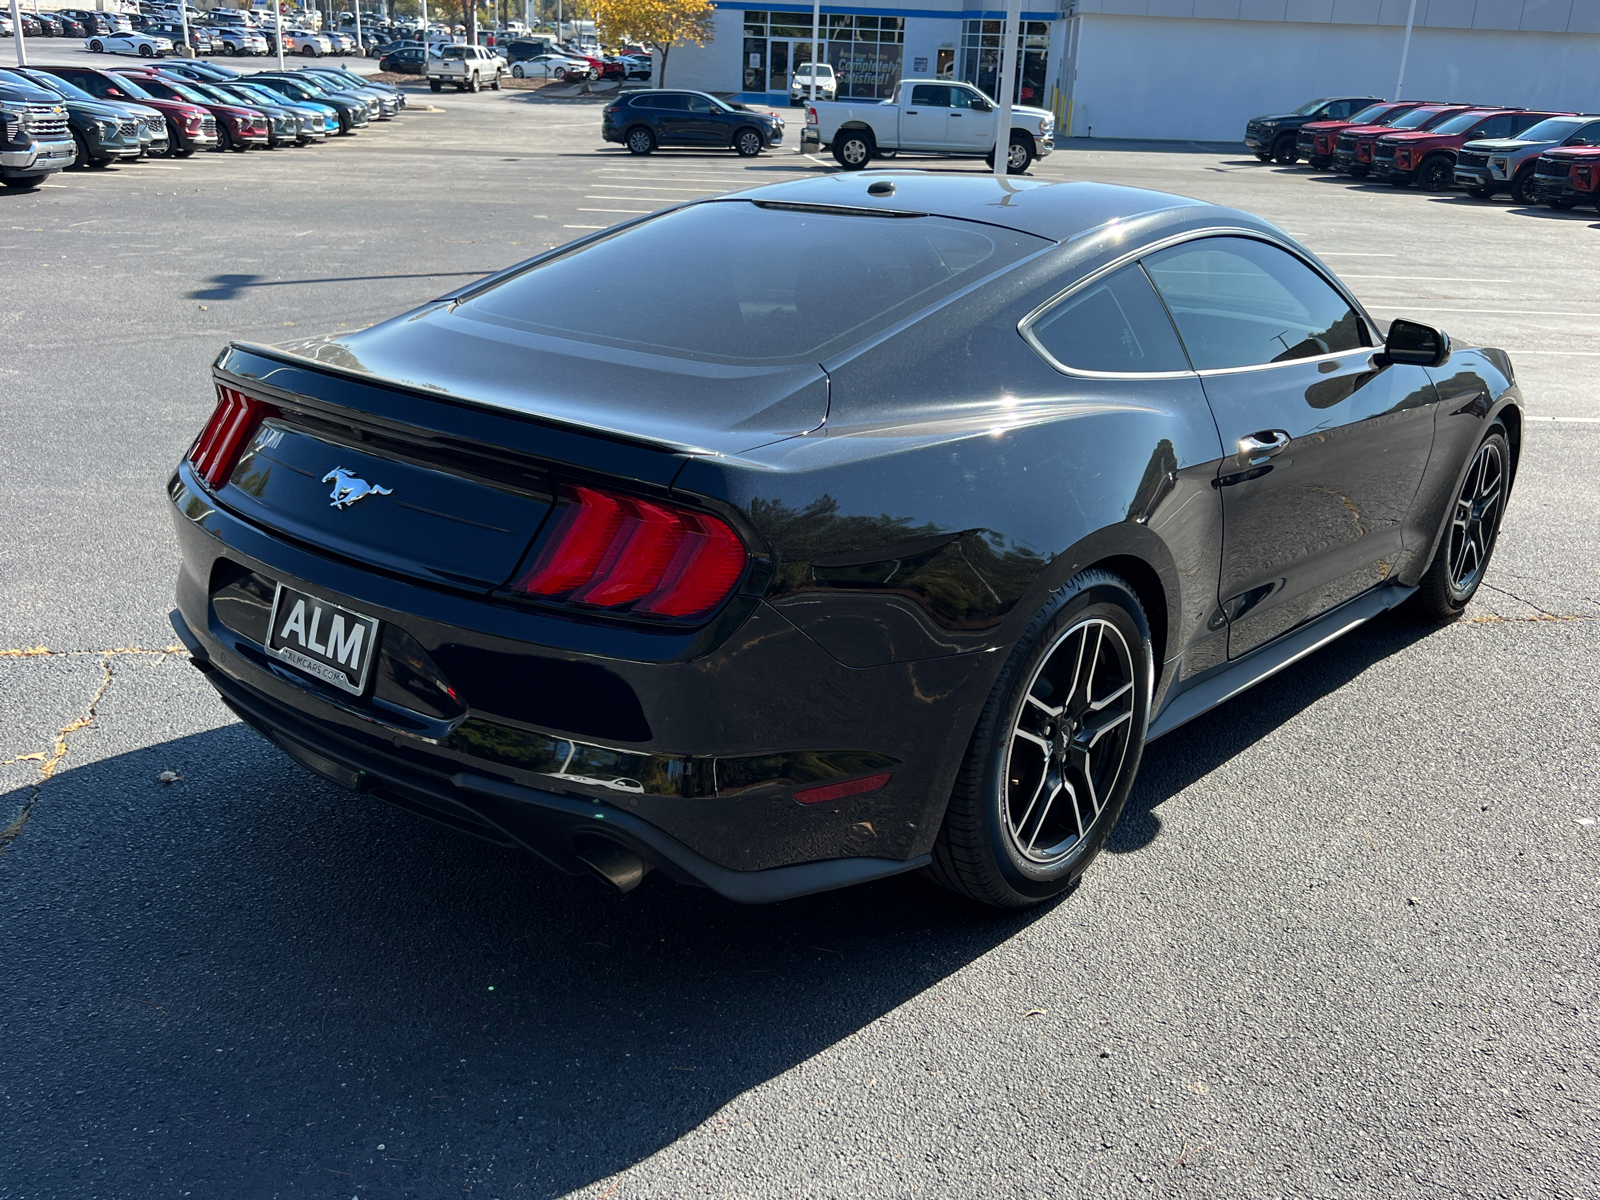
(865, 51)
(980, 58)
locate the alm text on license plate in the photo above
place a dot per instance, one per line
(322, 639)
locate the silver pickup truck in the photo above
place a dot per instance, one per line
(929, 116)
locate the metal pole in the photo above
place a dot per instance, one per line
(361, 48)
(277, 15)
(183, 10)
(1006, 85)
(1405, 49)
(16, 34)
(816, 34)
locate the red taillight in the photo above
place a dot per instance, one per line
(811, 115)
(823, 792)
(618, 552)
(217, 448)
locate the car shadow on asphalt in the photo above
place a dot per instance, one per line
(1191, 752)
(244, 983)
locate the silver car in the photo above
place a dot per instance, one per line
(1494, 165)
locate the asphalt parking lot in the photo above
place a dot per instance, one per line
(1344, 944)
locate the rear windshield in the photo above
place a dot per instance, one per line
(1416, 117)
(741, 283)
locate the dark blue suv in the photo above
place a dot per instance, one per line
(641, 121)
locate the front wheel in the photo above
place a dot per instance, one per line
(495, 86)
(559, 74)
(1284, 151)
(1437, 174)
(747, 142)
(1055, 751)
(1459, 563)
(1521, 187)
(97, 46)
(853, 150)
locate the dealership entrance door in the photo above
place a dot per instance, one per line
(784, 57)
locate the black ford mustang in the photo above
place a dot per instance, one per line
(887, 551)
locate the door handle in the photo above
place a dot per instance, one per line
(911, 112)
(1262, 445)
(955, 114)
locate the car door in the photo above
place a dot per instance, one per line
(972, 119)
(1325, 442)
(924, 116)
(709, 125)
(672, 119)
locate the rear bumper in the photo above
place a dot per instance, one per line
(556, 828)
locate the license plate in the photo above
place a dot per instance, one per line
(322, 639)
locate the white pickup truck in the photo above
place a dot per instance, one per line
(469, 68)
(930, 116)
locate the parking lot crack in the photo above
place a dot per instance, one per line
(45, 762)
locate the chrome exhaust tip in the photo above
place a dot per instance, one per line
(621, 868)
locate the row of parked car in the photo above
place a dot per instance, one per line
(1537, 157)
(52, 118)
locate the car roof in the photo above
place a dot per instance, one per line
(1060, 211)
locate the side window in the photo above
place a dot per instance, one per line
(930, 95)
(1115, 324)
(1494, 127)
(1337, 111)
(1589, 135)
(699, 104)
(961, 97)
(1238, 302)
(672, 103)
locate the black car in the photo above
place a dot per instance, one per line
(407, 60)
(1273, 137)
(645, 120)
(791, 574)
(89, 21)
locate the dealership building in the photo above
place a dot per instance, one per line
(1185, 69)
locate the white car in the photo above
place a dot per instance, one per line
(551, 66)
(236, 39)
(143, 44)
(312, 45)
(800, 85)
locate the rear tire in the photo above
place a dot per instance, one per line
(853, 149)
(1469, 537)
(474, 84)
(145, 50)
(495, 86)
(435, 85)
(516, 70)
(641, 141)
(1055, 751)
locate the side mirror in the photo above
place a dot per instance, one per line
(982, 106)
(1416, 344)
(1577, 141)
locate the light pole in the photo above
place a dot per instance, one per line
(16, 34)
(1405, 49)
(1009, 37)
(277, 37)
(361, 48)
(816, 30)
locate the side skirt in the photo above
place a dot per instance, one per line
(1266, 661)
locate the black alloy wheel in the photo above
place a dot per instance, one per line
(1055, 751)
(225, 139)
(1284, 151)
(145, 50)
(1522, 187)
(1437, 173)
(747, 142)
(1468, 541)
(97, 46)
(641, 140)
(853, 149)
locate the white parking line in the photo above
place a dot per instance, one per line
(1427, 278)
(1352, 254)
(1569, 420)
(645, 187)
(640, 199)
(1498, 312)
(586, 227)
(642, 212)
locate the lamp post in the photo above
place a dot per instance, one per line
(16, 34)
(1405, 49)
(1009, 37)
(277, 37)
(816, 31)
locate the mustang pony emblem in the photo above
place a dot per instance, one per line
(348, 487)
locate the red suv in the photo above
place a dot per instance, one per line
(1315, 140)
(1428, 156)
(1567, 176)
(1352, 150)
